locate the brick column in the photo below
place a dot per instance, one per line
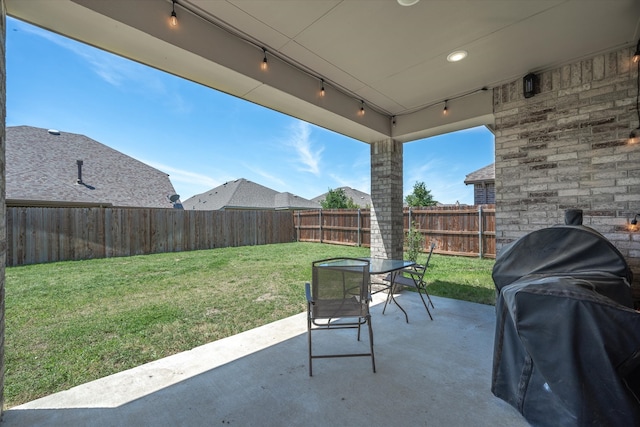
(387, 234)
(3, 221)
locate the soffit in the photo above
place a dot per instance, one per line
(391, 57)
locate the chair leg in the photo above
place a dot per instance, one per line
(386, 301)
(309, 342)
(373, 359)
(430, 302)
(424, 302)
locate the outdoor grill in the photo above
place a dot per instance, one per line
(567, 344)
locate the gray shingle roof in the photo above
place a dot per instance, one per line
(485, 174)
(244, 194)
(359, 198)
(41, 169)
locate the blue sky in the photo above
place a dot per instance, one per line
(202, 137)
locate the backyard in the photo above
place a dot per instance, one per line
(68, 323)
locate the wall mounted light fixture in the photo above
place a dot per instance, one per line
(634, 221)
(265, 64)
(321, 87)
(636, 56)
(529, 85)
(445, 110)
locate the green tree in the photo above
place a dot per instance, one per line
(337, 199)
(420, 196)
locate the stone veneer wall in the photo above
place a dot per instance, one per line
(3, 231)
(387, 233)
(566, 147)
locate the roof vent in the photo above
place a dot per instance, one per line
(54, 132)
(79, 180)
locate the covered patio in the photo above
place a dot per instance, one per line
(434, 373)
(561, 143)
(389, 72)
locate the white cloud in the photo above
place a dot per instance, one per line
(187, 177)
(361, 183)
(112, 69)
(299, 139)
(115, 70)
(269, 177)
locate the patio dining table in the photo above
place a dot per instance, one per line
(393, 267)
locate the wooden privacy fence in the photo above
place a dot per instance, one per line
(37, 235)
(456, 230)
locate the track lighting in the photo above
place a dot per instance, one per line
(321, 87)
(361, 112)
(264, 65)
(445, 110)
(173, 20)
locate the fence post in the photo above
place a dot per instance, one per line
(320, 224)
(480, 232)
(359, 226)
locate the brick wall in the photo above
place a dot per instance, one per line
(566, 147)
(3, 231)
(387, 233)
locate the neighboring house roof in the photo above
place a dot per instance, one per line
(42, 170)
(485, 174)
(243, 194)
(361, 199)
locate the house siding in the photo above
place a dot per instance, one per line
(566, 148)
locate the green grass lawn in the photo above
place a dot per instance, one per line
(68, 323)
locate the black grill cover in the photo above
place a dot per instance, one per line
(567, 344)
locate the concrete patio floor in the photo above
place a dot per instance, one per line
(429, 373)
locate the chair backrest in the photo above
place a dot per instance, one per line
(422, 269)
(426, 264)
(340, 287)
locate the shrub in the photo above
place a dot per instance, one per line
(414, 242)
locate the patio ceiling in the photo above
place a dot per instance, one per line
(391, 57)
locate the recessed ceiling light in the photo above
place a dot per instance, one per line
(407, 2)
(456, 56)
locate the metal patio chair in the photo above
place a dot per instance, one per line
(413, 277)
(338, 298)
